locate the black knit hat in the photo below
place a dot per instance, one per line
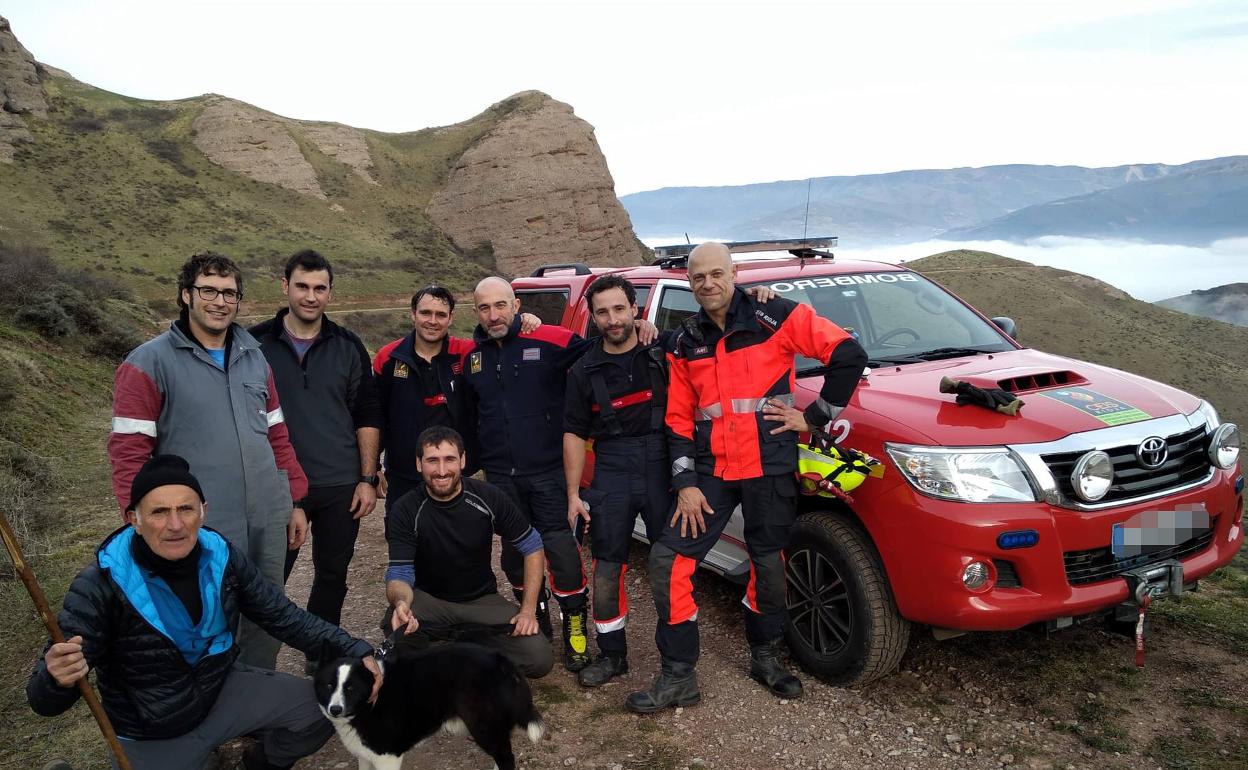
(162, 470)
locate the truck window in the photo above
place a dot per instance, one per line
(548, 305)
(675, 304)
(643, 294)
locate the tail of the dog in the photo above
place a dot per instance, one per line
(536, 729)
(528, 717)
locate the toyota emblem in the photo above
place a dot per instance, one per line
(1152, 452)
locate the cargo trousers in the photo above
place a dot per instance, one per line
(769, 508)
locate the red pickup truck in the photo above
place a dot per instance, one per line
(1106, 487)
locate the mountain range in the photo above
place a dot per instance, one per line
(1193, 203)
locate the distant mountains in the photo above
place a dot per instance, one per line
(1223, 303)
(1193, 203)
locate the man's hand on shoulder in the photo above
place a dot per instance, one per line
(646, 331)
(762, 293)
(66, 663)
(529, 323)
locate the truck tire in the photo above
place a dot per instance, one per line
(843, 622)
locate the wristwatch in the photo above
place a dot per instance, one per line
(374, 479)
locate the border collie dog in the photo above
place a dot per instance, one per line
(459, 688)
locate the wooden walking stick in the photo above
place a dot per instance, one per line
(49, 620)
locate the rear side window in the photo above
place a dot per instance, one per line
(675, 305)
(546, 305)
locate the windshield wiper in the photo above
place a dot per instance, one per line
(953, 352)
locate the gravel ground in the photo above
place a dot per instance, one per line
(1019, 700)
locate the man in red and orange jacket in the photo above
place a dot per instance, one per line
(732, 436)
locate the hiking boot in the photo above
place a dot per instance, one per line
(766, 669)
(602, 670)
(676, 685)
(575, 639)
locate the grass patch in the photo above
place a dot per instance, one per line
(1198, 749)
(1216, 615)
(549, 694)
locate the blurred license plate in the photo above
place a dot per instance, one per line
(1152, 531)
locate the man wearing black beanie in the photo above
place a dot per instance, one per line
(155, 615)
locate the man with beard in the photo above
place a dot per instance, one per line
(203, 390)
(325, 380)
(616, 396)
(441, 536)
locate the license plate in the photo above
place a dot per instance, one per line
(1149, 532)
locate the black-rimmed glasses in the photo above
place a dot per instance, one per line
(209, 294)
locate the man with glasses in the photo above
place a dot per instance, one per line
(203, 390)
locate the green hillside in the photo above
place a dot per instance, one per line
(116, 185)
(1077, 316)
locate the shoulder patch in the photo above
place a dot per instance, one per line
(474, 362)
(400, 370)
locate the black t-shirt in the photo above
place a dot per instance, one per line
(449, 543)
(436, 410)
(630, 386)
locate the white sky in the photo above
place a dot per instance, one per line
(692, 92)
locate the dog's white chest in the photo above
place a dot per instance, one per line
(369, 759)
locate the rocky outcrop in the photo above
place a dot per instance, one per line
(536, 188)
(254, 143)
(20, 92)
(344, 144)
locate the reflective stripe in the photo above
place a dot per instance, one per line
(575, 592)
(809, 454)
(748, 405)
(274, 417)
(607, 626)
(131, 425)
(682, 464)
(710, 412)
(640, 397)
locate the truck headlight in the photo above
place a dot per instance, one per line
(1224, 446)
(970, 474)
(1092, 476)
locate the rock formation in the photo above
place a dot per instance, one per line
(537, 189)
(344, 144)
(254, 143)
(20, 92)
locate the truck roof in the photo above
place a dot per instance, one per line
(751, 270)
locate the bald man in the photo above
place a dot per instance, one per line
(732, 437)
(518, 380)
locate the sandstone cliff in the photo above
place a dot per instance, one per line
(536, 189)
(20, 92)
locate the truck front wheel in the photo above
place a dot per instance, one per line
(843, 622)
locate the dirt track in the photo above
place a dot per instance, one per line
(983, 701)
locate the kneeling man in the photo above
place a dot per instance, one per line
(441, 537)
(156, 617)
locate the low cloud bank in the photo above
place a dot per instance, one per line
(1146, 271)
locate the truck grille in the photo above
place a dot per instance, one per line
(1186, 464)
(1099, 563)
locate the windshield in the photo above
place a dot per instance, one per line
(898, 317)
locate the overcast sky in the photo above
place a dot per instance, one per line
(708, 93)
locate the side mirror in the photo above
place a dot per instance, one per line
(1007, 325)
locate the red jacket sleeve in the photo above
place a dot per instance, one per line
(136, 407)
(283, 451)
(681, 403)
(844, 359)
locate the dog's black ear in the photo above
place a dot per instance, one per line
(328, 651)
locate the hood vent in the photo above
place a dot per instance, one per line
(1040, 381)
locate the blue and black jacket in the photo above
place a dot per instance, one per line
(158, 674)
(519, 384)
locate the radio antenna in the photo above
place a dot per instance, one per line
(807, 221)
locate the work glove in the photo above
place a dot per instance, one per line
(990, 398)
